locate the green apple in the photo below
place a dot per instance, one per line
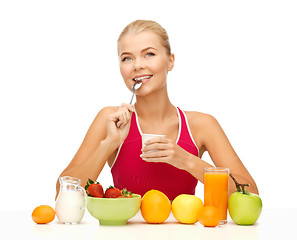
(244, 207)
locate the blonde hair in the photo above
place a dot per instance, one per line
(139, 26)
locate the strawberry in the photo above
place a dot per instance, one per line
(94, 189)
(113, 192)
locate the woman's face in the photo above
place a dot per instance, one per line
(142, 56)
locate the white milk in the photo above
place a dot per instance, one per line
(70, 207)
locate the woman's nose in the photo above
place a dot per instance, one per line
(138, 64)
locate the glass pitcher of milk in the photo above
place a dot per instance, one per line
(71, 201)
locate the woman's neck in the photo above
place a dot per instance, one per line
(155, 106)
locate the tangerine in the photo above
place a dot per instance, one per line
(43, 214)
(209, 216)
(155, 206)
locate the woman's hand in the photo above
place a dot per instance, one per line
(162, 149)
(118, 124)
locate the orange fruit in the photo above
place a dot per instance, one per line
(209, 216)
(185, 208)
(43, 214)
(155, 207)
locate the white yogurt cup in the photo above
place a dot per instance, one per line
(146, 137)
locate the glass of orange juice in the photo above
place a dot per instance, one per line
(216, 189)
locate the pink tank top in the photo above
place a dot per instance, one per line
(138, 176)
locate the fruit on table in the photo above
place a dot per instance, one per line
(113, 192)
(43, 214)
(244, 207)
(209, 216)
(185, 208)
(155, 206)
(94, 189)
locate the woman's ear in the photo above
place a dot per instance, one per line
(171, 62)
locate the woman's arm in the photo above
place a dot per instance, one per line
(207, 129)
(209, 136)
(108, 130)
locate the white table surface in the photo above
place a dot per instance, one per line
(272, 224)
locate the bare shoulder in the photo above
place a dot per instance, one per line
(202, 125)
(105, 112)
(101, 118)
(198, 120)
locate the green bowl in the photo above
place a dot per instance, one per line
(113, 211)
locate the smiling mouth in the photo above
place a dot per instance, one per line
(140, 79)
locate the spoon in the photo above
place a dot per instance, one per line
(136, 85)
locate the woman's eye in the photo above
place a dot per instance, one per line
(150, 54)
(125, 59)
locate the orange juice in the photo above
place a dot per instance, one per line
(216, 190)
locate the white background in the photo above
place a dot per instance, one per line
(235, 60)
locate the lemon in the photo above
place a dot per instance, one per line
(185, 208)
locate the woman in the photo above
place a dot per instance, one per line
(115, 134)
